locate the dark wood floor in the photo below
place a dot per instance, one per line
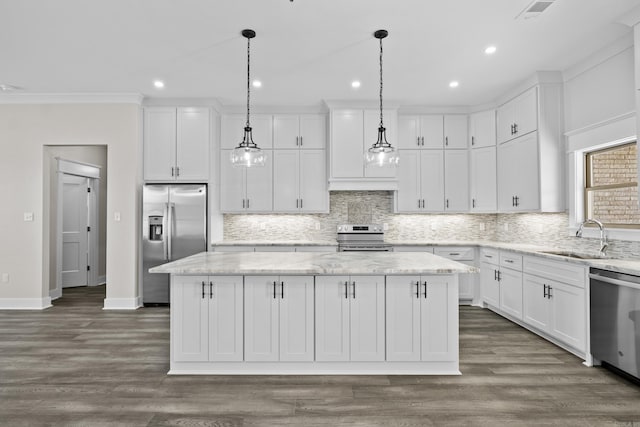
(76, 364)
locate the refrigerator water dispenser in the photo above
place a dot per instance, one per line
(155, 228)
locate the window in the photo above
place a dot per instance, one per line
(611, 186)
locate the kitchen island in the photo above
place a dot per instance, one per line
(314, 313)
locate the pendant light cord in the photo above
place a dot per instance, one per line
(248, 78)
(381, 124)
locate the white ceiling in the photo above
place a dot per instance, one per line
(305, 51)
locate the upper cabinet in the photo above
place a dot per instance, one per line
(299, 181)
(482, 129)
(300, 131)
(518, 117)
(232, 130)
(353, 131)
(456, 129)
(176, 144)
(246, 190)
(432, 132)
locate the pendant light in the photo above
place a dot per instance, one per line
(381, 153)
(247, 153)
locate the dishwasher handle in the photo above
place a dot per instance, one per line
(595, 276)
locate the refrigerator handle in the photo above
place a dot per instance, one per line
(170, 209)
(165, 227)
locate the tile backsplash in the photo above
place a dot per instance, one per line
(549, 229)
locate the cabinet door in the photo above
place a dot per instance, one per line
(225, 318)
(568, 314)
(526, 112)
(286, 194)
(456, 180)
(403, 318)
(367, 318)
(232, 185)
(261, 318)
(347, 156)
(409, 195)
(259, 186)
(466, 283)
(432, 130)
(456, 130)
(511, 292)
(313, 131)
(232, 130)
(314, 196)
(489, 286)
(439, 319)
(432, 180)
(192, 152)
(482, 129)
(370, 135)
(332, 318)
(483, 180)
(296, 318)
(286, 131)
(408, 136)
(528, 178)
(505, 119)
(159, 143)
(189, 318)
(535, 305)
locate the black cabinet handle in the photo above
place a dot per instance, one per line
(446, 140)
(203, 289)
(282, 290)
(210, 290)
(517, 201)
(473, 203)
(549, 294)
(417, 289)
(473, 140)
(447, 203)
(354, 289)
(495, 274)
(425, 289)
(346, 289)
(544, 291)
(515, 128)
(297, 137)
(274, 290)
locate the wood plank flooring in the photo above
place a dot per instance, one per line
(78, 365)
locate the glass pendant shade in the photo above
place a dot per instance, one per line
(247, 153)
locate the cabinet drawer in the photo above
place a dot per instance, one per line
(428, 249)
(492, 256)
(560, 271)
(511, 260)
(456, 253)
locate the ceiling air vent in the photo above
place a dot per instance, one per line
(534, 9)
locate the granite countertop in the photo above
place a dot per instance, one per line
(315, 263)
(275, 243)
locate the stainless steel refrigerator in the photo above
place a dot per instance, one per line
(174, 226)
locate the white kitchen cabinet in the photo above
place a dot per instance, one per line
(246, 189)
(456, 131)
(501, 281)
(299, 131)
(350, 318)
(483, 181)
(414, 305)
(510, 292)
(299, 181)
(176, 144)
(482, 129)
(421, 181)
(278, 318)
(232, 130)
(518, 117)
(465, 255)
(207, 318)
(404, 248)
(456, 180)
(489, 284)
(418, 132)
(518, 175)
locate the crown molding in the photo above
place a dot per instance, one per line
(71, 98)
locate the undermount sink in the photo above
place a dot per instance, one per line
(570, 254)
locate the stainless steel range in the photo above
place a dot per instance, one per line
(361, 237)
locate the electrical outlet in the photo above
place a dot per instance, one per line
(505, 226)
(482, 226)
(5, 277)
(116, 216)
(433, 227)
(263, 226)
(28, 216)
(385, 227)
(317, 226)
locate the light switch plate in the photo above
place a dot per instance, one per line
(116, 216)
(5, 277)
(28, 216)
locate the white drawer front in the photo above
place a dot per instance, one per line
(511, 260)
(561, 271)
(492, 256)
(456, 253)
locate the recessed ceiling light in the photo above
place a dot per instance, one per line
(8, 88)
(355, 84)
(257, 83)
(454, 84)
(490, 50)
(159, 84)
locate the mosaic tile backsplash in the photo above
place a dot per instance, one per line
(377, 207)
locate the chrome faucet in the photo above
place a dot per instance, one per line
(604, 243)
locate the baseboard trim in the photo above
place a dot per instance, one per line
(25, 303)
(122, 303)
(55, 293)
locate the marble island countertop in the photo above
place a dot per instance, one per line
(313, 263)
(275, 243)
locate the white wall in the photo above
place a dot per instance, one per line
(25, 130)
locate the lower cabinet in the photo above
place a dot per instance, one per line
(465, 255)
(206, 318)
(278, 318)
(350, 318)
(511, 292)
(420, 318)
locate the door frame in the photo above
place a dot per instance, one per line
(92, 173)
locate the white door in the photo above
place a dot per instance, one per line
(408, 137)
(159, 143)
(261, 318)
(528, 173)
(286, 131)
(75, 238)
(189, 318)
(286, 194)
(535, 305)
(224, 294)
(296, 318)
(511, 292)
(403, 318)
(367, 318)
(489, 285)
(456, 180)
(505, 119)
(409, 196)
(432, 180)
(259, 186)
(568, 320)
(456, 130)
(314, 196)
(508, 175)
(332, 318)
(483, 179)
(192, 147)
(232, 185)
(438, 319)
(526, 112)
(313, 131)
(432, 131)
(482, 129)
(347, 156)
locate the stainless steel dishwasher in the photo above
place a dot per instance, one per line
(615, 319)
